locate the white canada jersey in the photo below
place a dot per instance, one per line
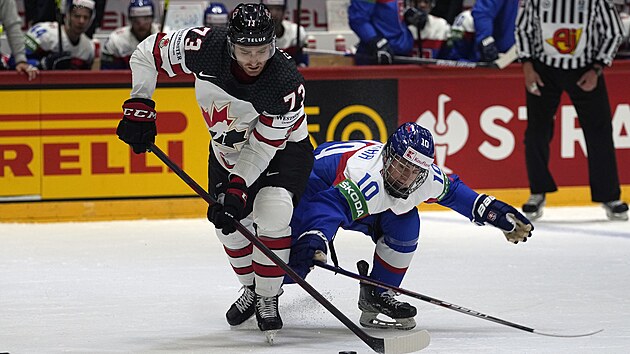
(43, 39)
(248, 122)
(121, 43)
(362, 163)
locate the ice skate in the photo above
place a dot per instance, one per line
(616, 210)
(533, 208)
(372, 303)
(243, 308)
(267, 315)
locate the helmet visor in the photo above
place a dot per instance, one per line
(252, 54)
(402, 177)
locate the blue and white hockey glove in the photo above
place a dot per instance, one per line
(488, 50)
(381, 50)
(515, 226)
(311, 246)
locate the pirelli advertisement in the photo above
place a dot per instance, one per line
(58, 141)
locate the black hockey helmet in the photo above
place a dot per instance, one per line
(251, 25)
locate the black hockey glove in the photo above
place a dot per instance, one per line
(309, 247)
(233, 206)
(488, 50)
(56, 61)
(380, 49)
(415, 17)
(137, 127)
(515, 226)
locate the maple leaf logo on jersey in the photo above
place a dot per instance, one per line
(565, 40)
(222, 128)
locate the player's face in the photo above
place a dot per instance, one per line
(79, 20)
(141, 26)
(252, 58)
(402, 173)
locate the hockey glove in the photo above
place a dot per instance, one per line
(311, 246)
(415, 17)
(488, 50)
(137, 127)
(56, 61)
(233, 206)
(381, 50)
(515, 226)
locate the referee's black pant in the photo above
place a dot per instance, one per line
(593, 110)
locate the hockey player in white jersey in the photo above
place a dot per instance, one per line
(375, 188)
(77, 52)
(430, 33)
(252, 99)
(124, 40)
(287, 31)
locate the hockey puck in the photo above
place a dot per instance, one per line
(348, 352)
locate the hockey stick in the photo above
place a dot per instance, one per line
(164, 15)
(396, 345)
(445, 304)
(503, 61)
(59, 17)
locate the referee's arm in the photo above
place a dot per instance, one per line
(610, 30)
(525, 32)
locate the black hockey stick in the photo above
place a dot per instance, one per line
(435, 301)
(396, 345)
(503, 61)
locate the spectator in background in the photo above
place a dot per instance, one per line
(430, 33)
(124, 40)
(286, 31)
(216, 15)
(494, 27)
(382, 34)
(448, 9)
(76, 50)
(11, 23)
(563, 52)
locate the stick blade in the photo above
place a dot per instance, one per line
(567, 335)
(408, 343)
(507, 58)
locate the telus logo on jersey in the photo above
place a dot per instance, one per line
(356, 200)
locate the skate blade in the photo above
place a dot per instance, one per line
(617, 216)
(270, 336)
(534, 216)
(369, 320)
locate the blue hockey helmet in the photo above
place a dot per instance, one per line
(216, 15)
(141, 8)
(407, 158)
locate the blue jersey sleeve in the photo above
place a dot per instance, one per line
(322, 208)
(459, 197)
(360, 19)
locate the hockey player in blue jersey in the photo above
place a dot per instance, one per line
(381, 32)
(494, 27)
(375, 189)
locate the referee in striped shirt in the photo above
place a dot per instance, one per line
(564, 45)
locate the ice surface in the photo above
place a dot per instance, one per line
(164, 286)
